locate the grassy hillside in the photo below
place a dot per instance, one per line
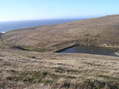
(2, 42)
(97, 32)
(37, 70)
(34, 70)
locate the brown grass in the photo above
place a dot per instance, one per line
(97, 32)
(33, 70)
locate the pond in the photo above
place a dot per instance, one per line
(90, 50)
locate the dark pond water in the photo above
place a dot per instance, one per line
(91, 50)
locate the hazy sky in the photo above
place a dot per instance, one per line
(49, 9)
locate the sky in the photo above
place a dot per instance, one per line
(11, 10)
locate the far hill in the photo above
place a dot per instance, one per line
(103, 31)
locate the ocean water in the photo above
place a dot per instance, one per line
(13, 25)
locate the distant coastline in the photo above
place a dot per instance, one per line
(13, 25)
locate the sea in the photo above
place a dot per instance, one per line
(14, 25)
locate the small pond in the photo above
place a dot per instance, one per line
(90, 50)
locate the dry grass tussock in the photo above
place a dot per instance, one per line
(32, 70)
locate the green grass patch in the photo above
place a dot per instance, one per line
(30, 48)
(109, 78)
(64, 70)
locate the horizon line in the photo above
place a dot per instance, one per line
(70, 18)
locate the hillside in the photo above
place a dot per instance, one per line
(34, 70)
(40, 68)
(1, 41)
(101, 31)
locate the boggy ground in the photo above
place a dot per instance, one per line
(33, 70)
